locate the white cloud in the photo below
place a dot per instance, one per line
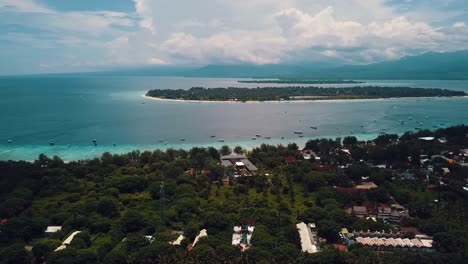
(29, 6)
(234, 31)
(144, 10)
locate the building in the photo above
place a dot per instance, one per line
(67, 241)
(52, 229)
(389, 213)
(309, 154)
(201, 234)
(243, 166)
(396, 244)
(308, 237)
(242, 236)
(383, 241)
(366, 186)
(291, 159)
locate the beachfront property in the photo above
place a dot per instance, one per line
(309, 238)
(309, 154)
(242, 166)
(242, 236)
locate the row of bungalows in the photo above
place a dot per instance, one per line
(396, 244)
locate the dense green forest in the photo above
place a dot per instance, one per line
(301, 81)
(116, 200)
(298, 93)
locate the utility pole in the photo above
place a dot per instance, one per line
(161, 199)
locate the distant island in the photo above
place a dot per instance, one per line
(293, 81)
(297, 93)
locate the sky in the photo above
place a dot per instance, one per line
(40, 36)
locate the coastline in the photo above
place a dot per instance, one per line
(297, 101)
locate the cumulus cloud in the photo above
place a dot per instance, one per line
(237, 31)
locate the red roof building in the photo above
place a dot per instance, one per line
(291, 159)
(340, 247)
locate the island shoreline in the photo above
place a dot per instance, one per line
(294, 101)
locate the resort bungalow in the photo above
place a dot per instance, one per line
(52, 229)
(202, 233)
(242, 236)
(67, 241)
(243, 167)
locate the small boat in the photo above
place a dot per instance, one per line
(182, 139)
(314, 127)
(9, 141)
(51, 143)
(258, 135)
(420, 124)
(212, 136)
(410, 118)
(254, 138)
(114, 144)
(221, 140)
(267, 137)
(282, 137)
(298, 132)
(301, 136)
(94, 141)
(165, 143)
(68, 145)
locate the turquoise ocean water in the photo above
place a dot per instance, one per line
(72, 111)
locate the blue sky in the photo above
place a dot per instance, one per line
(38, 36)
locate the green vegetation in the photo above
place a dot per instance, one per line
(298, 93)
(299, 81)
(116, 200)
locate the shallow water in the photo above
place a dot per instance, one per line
(35, 111)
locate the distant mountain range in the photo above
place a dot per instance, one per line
(432, 65)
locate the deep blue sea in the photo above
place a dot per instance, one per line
(72, 111)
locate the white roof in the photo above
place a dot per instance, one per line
(426, 242)
(239, 163)
(70, 238)
(202, 233)
(236, 239)
(53, 229)
(178, 240)
(61, 247)
(427, 138)
(306, 239)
